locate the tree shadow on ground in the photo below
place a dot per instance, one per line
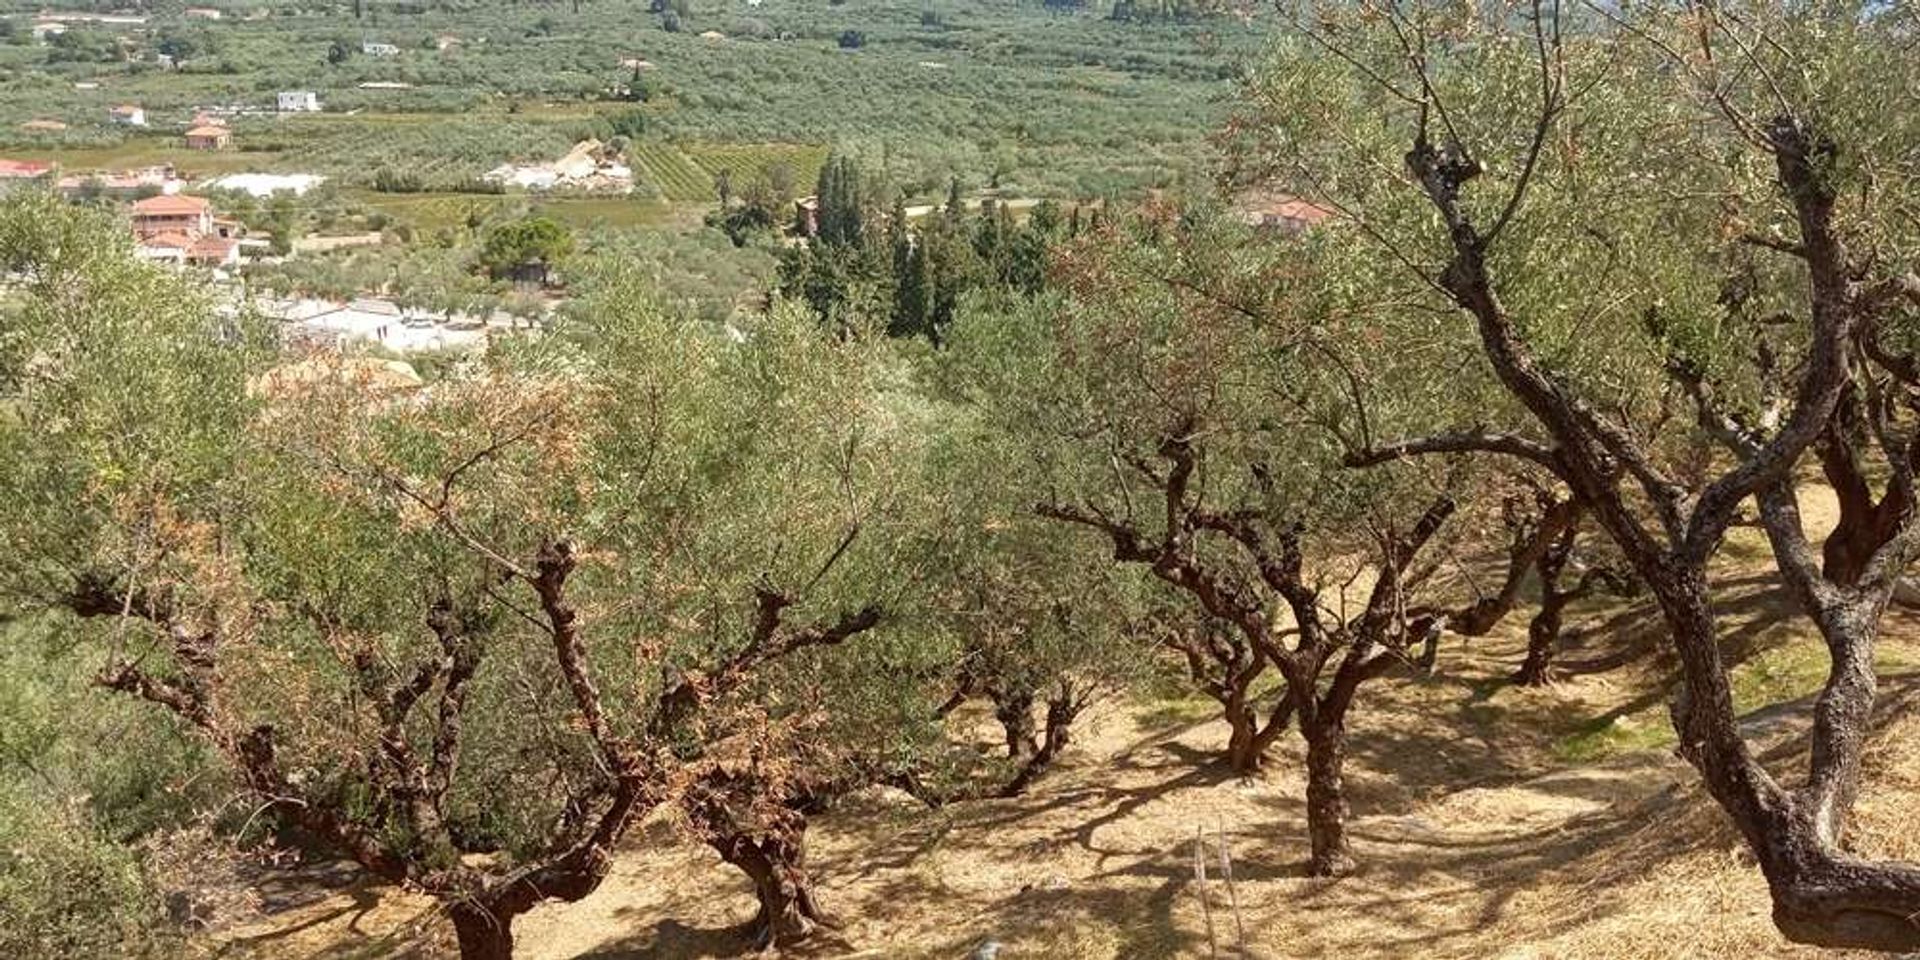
(362, 898)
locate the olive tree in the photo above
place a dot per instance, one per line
(1678, 241)
(1036, 627)
(465, 635)
(1153, 427)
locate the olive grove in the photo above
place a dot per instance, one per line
(1666, 253)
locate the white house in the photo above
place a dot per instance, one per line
(373, 49)
(299, 101)
(128, 115)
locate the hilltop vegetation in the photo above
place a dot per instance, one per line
(1039, 98)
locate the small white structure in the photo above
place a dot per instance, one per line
(382, 322)
(202, 13)
(267, 184)
(298, 101)
(373, 49)
(588, 167)
(128, 115)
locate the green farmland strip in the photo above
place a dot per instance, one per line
(679, 178)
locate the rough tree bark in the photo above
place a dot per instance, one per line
(480, 933)
(1064, 706)
(1375, 641)
(1013, 707)
(1543, 632)
(1327, 811)
(754, 815)
(1224, 666)
(1668, 533)
(407, 790)
(774, 857)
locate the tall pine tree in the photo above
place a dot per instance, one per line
(839, 219)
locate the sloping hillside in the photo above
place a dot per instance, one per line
(1490, 820)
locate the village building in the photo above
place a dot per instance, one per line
(298, 101)
(384, 323)
(128, 115)
(209, 137)
(174, 213)
(1279, 212)
(372, 49)
(15, 173)
(806, 215)
(23, 169)
(182, 250)
(123, 184)
(183, 230)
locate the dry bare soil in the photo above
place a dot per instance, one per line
(1491, 821)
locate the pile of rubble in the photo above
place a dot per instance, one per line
(590, 167)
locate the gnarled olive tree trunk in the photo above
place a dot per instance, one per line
(755, 818)
(481, 933)
(1669, 530)
(773, 857)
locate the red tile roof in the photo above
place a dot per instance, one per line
(172, 241)
(23, 168)
(174, 205)
(212, 248)
(1298, 209)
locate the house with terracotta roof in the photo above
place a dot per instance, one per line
(15, 173)
(173, 213)
(128, 115)
(214, 252)
(124, 184)
(164, 248)
(1280, 212)
(23, 169)
(183, 230)
(209, 137)
(182, 250)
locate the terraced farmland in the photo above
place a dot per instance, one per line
(749, 160)
(672, 171)
(685, 173)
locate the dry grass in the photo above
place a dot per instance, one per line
(1490, 821)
